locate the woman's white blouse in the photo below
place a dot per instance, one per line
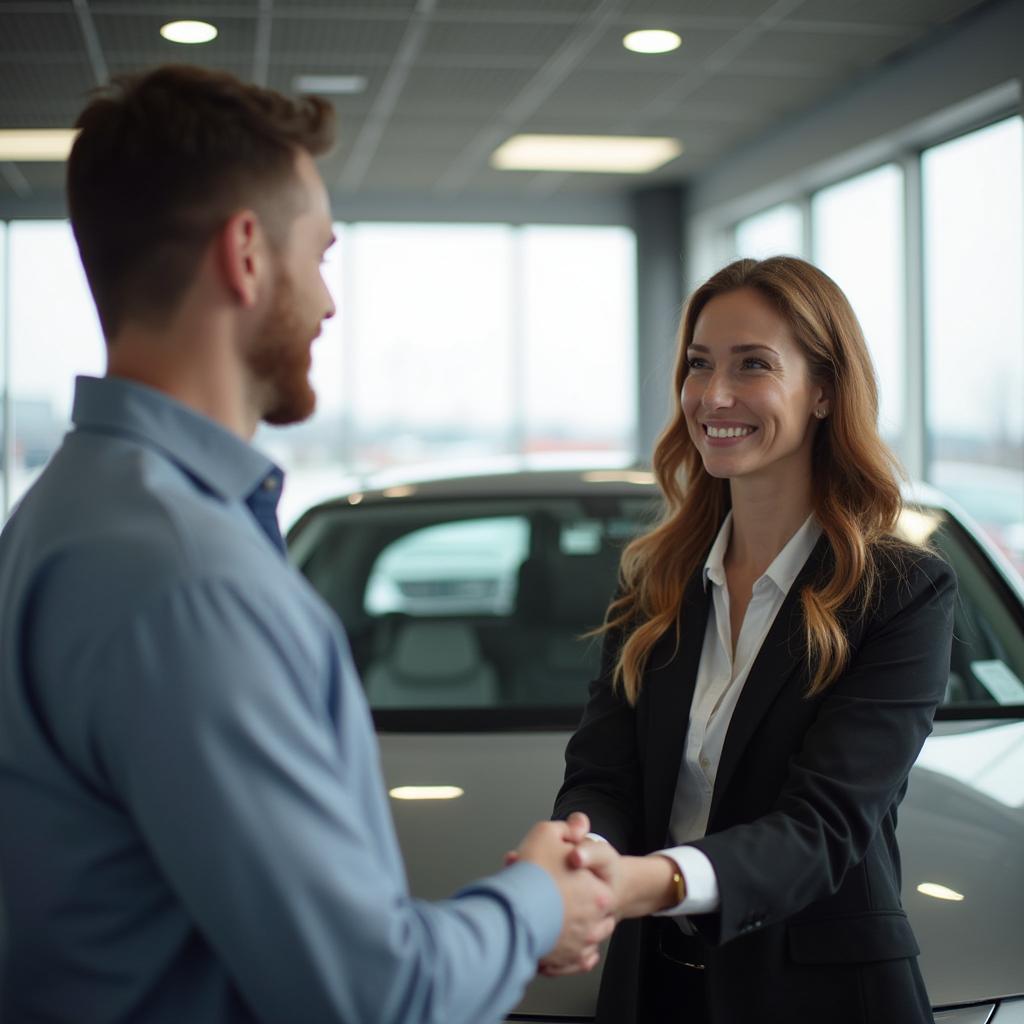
(720, 681)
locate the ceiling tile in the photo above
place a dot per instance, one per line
(885, 12)
(339, 41)
(44, 95)
(533, 43)
(649, 9)
(525, 8)
(26, 34)
(838, 50)
(136, 40)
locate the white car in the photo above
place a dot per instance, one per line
(465, 602)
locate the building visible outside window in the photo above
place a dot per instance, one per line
(778, 231)
(974, 325)
(53, 334)
(857, 231)
(453, 346)
(578, 331)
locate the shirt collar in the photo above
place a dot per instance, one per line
(218, 459)
(714, 567)
(786, 565)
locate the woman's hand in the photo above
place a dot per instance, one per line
(642, 885)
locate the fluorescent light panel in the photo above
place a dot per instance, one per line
(329, 85)
(30, 145)
(608, 154)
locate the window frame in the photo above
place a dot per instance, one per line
(908, 155)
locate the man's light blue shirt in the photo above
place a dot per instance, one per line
(193, 824)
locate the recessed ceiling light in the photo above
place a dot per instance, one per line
(329, 85)
(609, 154)
(189, 31)
(651, 40)
(36, 144)
(939, 892)
(425, 792)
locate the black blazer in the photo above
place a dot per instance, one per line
(803, 817)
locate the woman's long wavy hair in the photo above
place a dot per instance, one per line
(855, 480)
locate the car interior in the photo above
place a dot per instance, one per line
(447, 641)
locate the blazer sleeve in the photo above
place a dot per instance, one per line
(852, 767)
(602, 761)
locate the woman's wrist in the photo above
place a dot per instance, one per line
(649, 884)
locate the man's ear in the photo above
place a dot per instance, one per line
(242, 248)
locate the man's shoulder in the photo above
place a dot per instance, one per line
(100, 537)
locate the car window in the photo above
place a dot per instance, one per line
(466, 567)
(473, 605)
(987, 659)
(484, 605)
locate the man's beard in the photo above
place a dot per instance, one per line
(279, 359)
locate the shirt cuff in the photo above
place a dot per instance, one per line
(700, 878)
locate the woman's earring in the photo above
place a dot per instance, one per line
(820, 413)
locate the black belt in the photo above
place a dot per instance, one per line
(677, 947)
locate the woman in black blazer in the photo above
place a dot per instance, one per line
(772, 663)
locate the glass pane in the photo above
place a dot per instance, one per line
(431, 359)
(4, 285)
(857, 228)
(54, 336)
(474, 602)
(987, 661)
(466, 567)
(778, 231)
(579, 333)
(974, 326)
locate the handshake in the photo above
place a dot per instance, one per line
(599, 888)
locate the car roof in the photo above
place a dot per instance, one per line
(553, 482)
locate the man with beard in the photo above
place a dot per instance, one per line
(193, 824)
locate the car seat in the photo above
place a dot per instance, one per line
(432, 664)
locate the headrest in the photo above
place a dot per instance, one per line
(426, 650)
(571, 590)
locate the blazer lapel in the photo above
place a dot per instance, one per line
(781, 653)
(669, 687)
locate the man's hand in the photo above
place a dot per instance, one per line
(587, 900)
(642, 885)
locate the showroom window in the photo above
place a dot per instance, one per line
(971, 242)
(974, 326)
(453, 347)
(857, 232)
(778, 231)
(53, 335)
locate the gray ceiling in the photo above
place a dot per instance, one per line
(451, 79)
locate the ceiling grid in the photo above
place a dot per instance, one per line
(447, 81)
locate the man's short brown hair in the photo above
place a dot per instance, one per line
(162, 160)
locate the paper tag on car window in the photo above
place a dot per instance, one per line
(1000, 681)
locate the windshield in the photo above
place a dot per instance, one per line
(482, 606)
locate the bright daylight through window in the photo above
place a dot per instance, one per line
(974, 326)
(453, 346)
(857, 230)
